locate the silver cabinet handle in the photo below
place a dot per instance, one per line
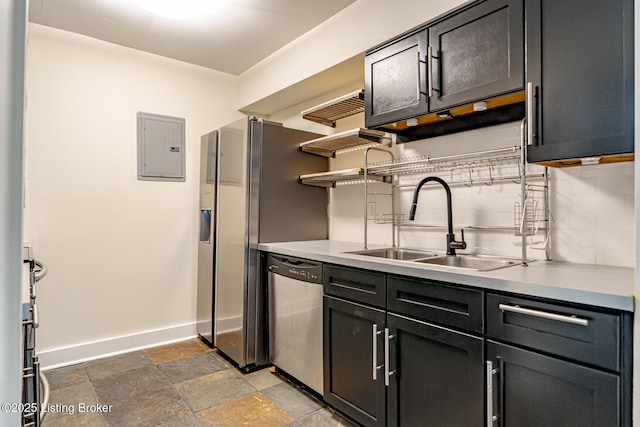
(376, 368)
(543, 314)
(36, 320)
(429, 72)
(387, 372)
(529, 96)
(490, 373)
(418, 91)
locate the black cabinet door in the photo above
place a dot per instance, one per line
(395, 81)
(351, 348)
(438, 375)
(476, 54)
(530, 389)
(580, 61)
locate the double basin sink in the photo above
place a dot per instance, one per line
(471, 262)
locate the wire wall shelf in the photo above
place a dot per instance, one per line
(329, 145)
(340, 177)
(484, 167)
(490, 160)
(331, 111)
(395, 219)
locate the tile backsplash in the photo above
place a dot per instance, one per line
(592, 207)
(594, 214)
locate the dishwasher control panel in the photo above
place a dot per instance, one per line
(295, 268)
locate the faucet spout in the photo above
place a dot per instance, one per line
(452, 245)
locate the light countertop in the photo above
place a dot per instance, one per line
(601, 286)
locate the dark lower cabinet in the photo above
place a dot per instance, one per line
(350, 350)
(532, 390)
(384, 368)
(556, 364)
(434, 375)
(437, 375)
(580, 62)
(517, 361)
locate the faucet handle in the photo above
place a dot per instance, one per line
(458, 245)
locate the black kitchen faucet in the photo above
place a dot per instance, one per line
(452, 244)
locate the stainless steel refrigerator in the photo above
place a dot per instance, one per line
(258, 199)
(207, 239)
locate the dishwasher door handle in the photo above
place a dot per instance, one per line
(294, 263)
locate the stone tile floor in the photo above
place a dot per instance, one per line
(184, 384)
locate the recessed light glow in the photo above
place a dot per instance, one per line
(178, 9)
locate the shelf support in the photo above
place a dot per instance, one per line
(366, 196)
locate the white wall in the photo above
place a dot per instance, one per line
(12, 51)
(121, 253)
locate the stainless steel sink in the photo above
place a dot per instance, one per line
(397, 253)
(472, 262)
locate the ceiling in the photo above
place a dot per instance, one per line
(233, 37)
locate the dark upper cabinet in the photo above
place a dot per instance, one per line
(476, 54)
(395, 81)
(473, 54)
(580, 61)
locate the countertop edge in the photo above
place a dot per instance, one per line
(533, 280)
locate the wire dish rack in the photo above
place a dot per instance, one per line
(531, 215)
(482, 167)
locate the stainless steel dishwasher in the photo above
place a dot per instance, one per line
(295, 318)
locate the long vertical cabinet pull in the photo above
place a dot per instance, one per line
(387, 343)
(429, 71)
(491, 418)
(376, 367)
(419, 91)
(530, 113)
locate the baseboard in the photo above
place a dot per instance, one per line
(65, 356)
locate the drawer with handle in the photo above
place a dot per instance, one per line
(580, 334)
(367, 287)
(438, 302)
